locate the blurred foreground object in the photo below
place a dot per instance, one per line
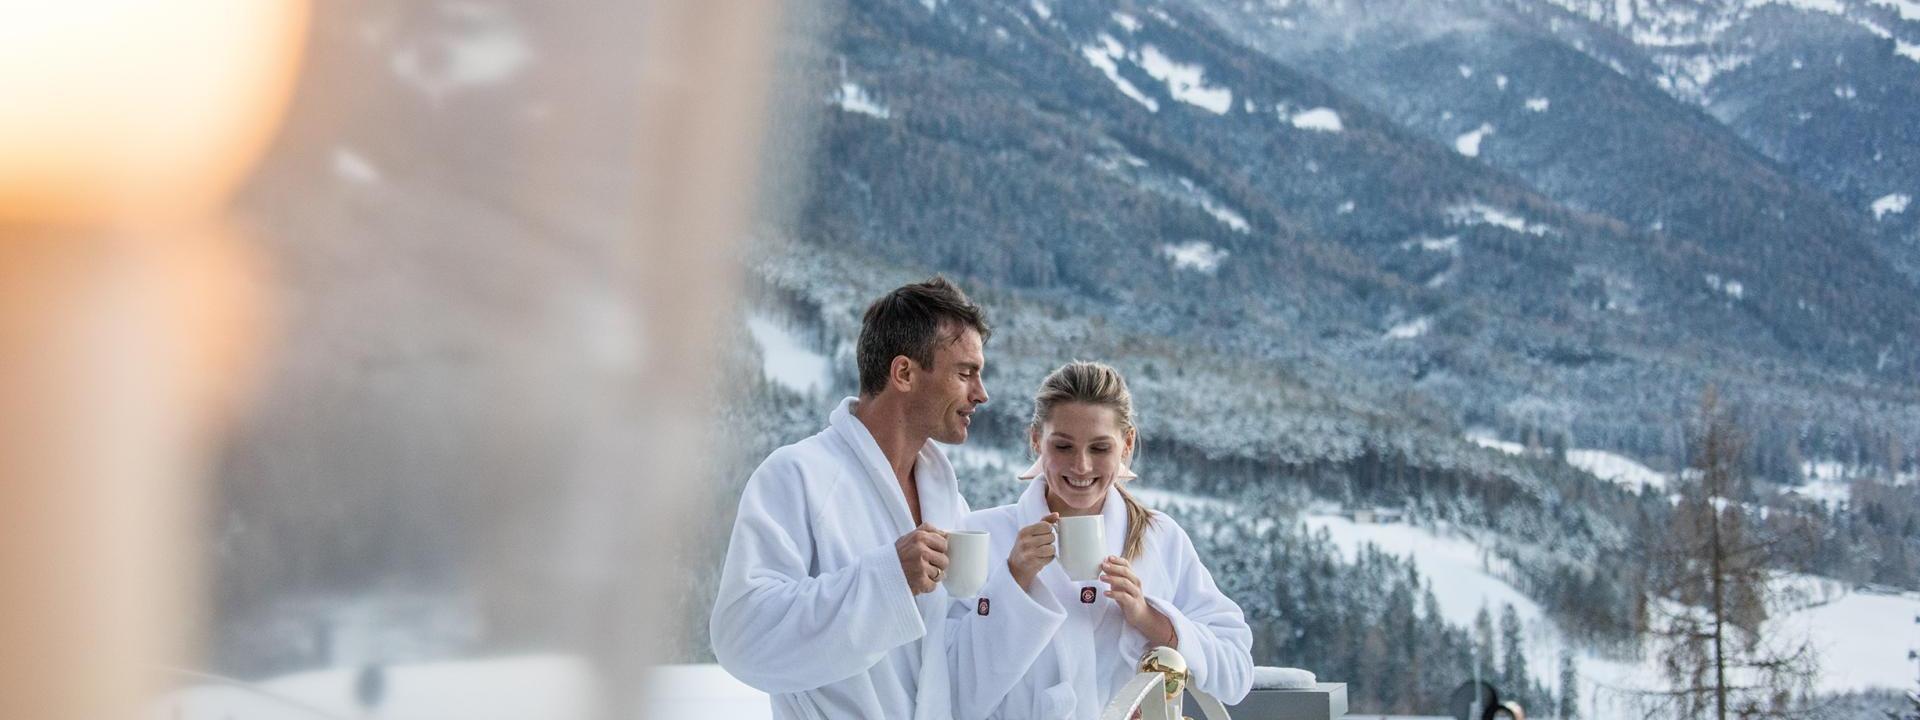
(133, 318)
(130, 320)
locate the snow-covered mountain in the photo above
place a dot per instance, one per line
(1471, 262)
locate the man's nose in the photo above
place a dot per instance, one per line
(979, 392)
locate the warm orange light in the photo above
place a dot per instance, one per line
(134, 110)
(129, 321)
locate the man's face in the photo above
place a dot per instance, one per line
(944, 401)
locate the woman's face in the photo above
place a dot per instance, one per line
(1081, 446)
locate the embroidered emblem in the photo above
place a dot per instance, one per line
(985, 606)
(1086, 595)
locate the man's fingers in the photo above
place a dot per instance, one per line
(937, 542)
(935, 559)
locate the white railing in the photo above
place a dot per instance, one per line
(1158, 692)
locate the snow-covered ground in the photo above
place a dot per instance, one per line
(980, 455)
(1197, 255)
(1487, 440)
(1612, 467)
(1105, 56)
(1862, 637)
(1464, 578)
(1827, 482)
(517, 688)
(1186, 82)
(1173, 501)
(1478, 213)
(1219, 210)
(1618, 469)
(1410, 329)
(1320, 119)
(702, 691)
(1468, 143)
(786, 359)
(855, 99)
(544, 686)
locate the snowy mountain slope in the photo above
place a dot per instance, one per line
(1860, 635)
(1826, 87)
(1513, 86)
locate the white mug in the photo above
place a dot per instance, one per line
(1083, 544)
(966, 563)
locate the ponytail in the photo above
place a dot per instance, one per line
(1139, 518)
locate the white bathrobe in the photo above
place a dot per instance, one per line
(1095, 651)
(814, 608)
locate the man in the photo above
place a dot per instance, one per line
(830, 599)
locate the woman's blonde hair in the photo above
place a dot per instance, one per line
(1096, 384)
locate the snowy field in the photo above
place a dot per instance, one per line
(1862, 637)
(518, 688)
(786, 358)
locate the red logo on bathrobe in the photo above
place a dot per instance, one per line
(1086, 595)
(985, 606)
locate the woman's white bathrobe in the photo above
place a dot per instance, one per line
(814, 609)
(1095, 651)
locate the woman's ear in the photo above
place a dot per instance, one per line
(1129, 441)
(1033, 440)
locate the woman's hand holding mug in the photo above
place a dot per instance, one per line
(1124, 589)
(1032, 550)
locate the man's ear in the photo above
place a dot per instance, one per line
(900, 373)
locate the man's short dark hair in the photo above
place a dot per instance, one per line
(909, 321)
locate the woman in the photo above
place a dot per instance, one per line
(1152, 589)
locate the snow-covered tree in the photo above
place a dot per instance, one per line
(1569, 706)
(1716, 592)
(1515, 682)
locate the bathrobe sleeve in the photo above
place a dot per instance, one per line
(778, 628)
(1214, 636)
(989, 654)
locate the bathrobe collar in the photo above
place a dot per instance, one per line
(932, 474)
